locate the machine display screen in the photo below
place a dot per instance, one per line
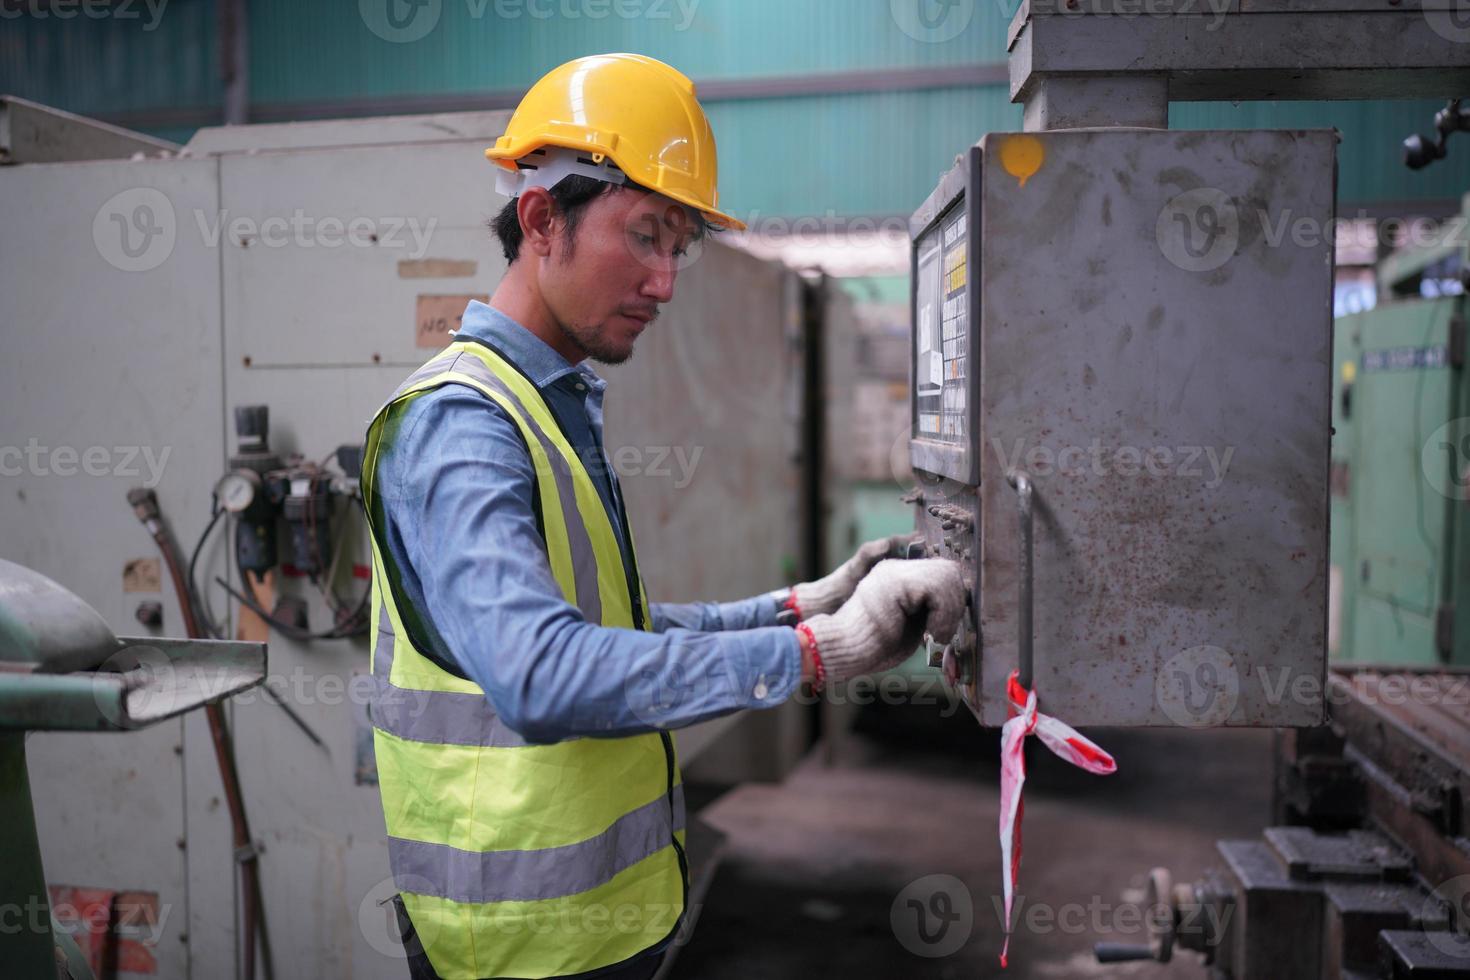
(941, 334)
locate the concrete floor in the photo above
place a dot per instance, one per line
(815, 867)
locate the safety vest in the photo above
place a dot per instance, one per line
(516, 859)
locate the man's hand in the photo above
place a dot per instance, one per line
(826, 595)
(888, 614)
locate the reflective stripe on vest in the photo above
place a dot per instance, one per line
(517, 859)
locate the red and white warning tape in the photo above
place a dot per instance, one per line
(1063, 741)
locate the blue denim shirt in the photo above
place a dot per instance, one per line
(456, 486)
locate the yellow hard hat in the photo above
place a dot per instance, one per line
(633, 110)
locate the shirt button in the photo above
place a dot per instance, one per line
(761, 690)
(581, 386)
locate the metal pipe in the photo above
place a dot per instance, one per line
(234, 60)
(145, 506)
(1024, 492)
(27, 951)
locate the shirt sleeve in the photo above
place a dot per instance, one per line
(712, 617)
(457, 488)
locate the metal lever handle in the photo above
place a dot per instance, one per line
(1121, 952)
(1024, 493)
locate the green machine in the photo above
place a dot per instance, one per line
(63, 669)
(1400, 488)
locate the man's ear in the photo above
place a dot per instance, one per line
(539, 220)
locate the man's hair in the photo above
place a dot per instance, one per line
(572, 195)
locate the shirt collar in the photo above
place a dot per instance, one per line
(525, 350)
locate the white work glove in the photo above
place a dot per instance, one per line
(892, 608)
(826, 595)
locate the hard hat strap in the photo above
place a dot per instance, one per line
(547, 166)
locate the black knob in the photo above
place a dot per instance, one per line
(1420, 153)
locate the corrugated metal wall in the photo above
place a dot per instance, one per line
(863, 154)
(136, 59)
(158, 70)
(326, 50)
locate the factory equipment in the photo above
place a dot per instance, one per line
(258, 491)
(241, 491)
(63, 669)
(1366, 873)
(1120, 419)
(1351, 884)
(1401, 458)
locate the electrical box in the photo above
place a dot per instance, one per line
(1136, 325)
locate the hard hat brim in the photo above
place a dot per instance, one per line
(506, 157)
(717, 218)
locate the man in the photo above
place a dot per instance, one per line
(532, 798)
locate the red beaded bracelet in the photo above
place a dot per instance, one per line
(791, 604)
(819, 672)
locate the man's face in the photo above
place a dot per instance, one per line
(605, 289)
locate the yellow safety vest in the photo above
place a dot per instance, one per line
(514, 859)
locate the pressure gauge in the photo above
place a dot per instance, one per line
(237, 490)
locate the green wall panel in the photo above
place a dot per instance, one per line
(871, 154)
(339, 50)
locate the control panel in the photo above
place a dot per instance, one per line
(1120, 394)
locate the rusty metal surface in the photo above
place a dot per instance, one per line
(1388, 851)
(1429, 707)
(1273, 912)
(1169, 398)
(1414, 726)
(1408, 733)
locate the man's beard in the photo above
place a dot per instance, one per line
(591, 342)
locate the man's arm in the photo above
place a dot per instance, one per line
(805, 599)
(711, 617)
(457, 488)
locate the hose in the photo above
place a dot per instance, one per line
(200, 596)
(145, 506)
(354, 625)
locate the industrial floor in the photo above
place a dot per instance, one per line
(813, 866)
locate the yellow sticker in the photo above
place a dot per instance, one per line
(1021, 156)
(1349, 372)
